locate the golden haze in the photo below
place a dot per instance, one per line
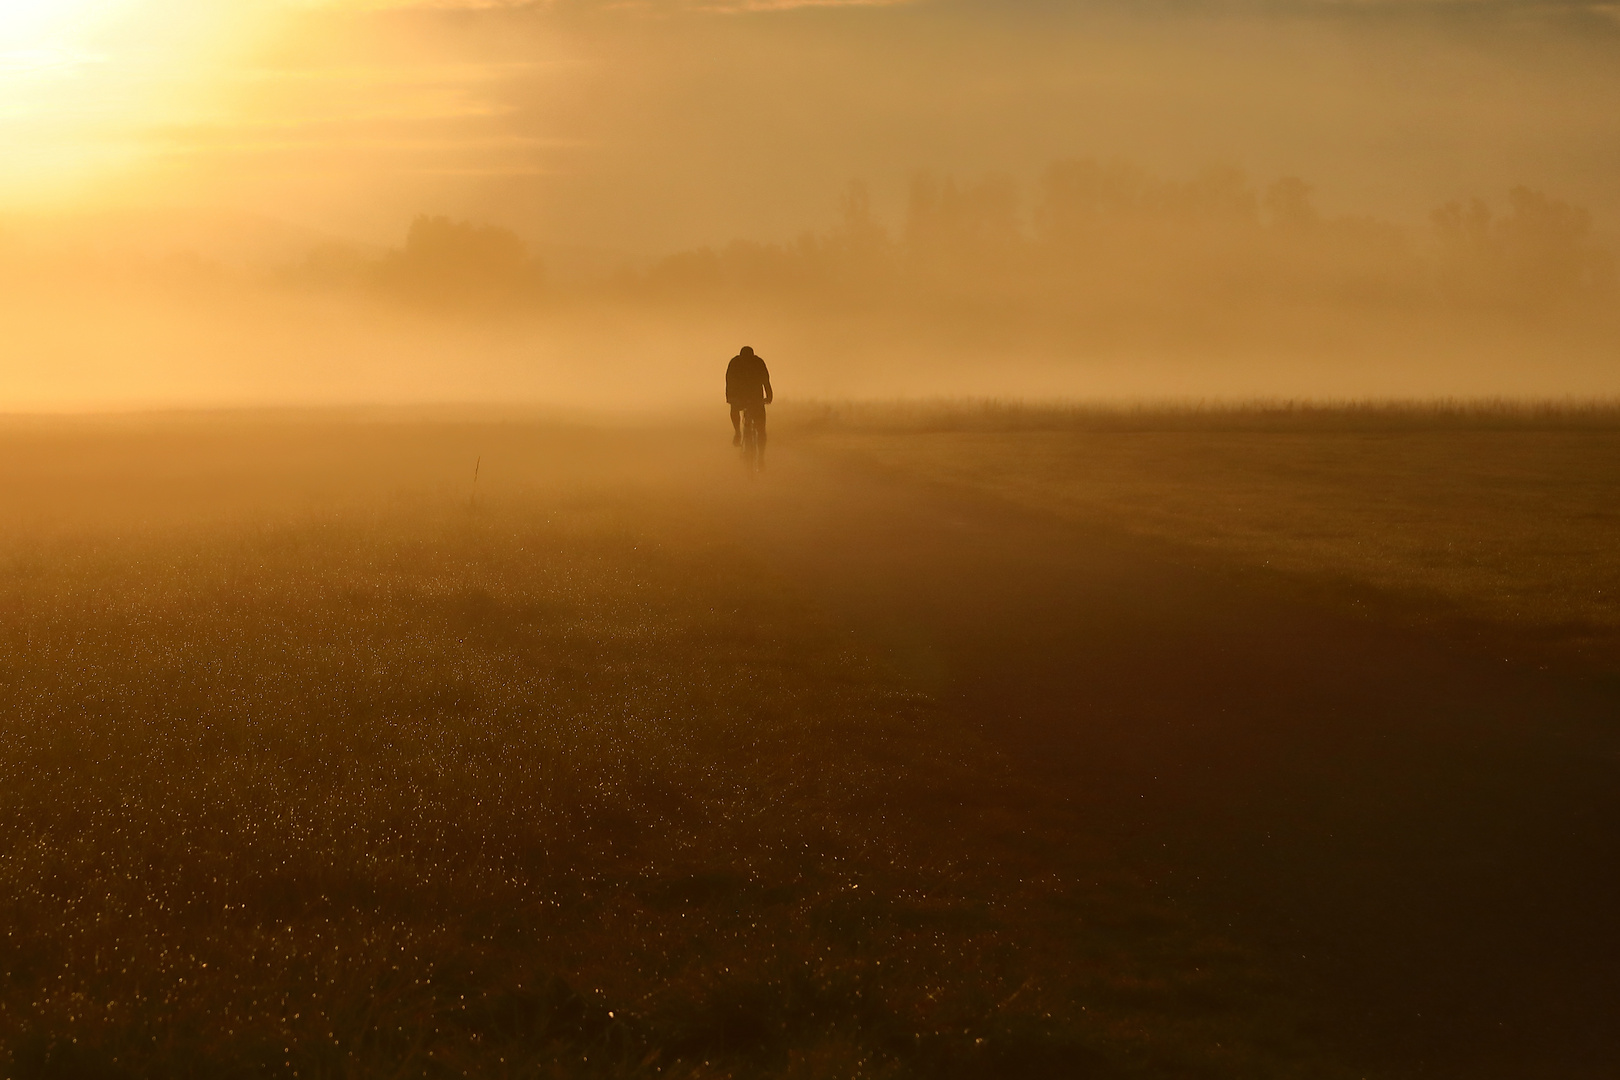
(215, 203)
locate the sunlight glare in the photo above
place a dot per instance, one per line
(35, 25)
(83, 81)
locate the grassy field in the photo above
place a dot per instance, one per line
(378, 746)
(1501, 515)
(320, 758)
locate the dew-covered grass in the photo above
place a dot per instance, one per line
(319, 759)
(1496, 513)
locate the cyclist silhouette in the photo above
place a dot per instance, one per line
(748, 391)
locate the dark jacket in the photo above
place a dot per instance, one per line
(748, 381)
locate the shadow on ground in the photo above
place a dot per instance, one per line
(1423, 833)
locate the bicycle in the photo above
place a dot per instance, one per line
(753, 448)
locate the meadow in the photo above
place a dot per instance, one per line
(378, 744)
(1466, 515)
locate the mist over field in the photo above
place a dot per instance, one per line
(594, 205)
(1122, 285)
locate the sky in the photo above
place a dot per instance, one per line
(200, 138)
(645, 127)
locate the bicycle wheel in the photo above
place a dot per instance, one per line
(750, 446)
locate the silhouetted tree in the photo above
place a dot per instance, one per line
(945, 221)
(1540, 254)
(1288, 201)
(1078, 195)
(1221, 194)
(458, 262)
(855, 216)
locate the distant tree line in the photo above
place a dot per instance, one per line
(443, 263)
(1101, 248)
(1111, 233)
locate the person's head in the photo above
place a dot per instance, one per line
(747, 351)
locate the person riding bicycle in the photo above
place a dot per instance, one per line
(748, 390)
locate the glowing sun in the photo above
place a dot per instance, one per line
(31, 24)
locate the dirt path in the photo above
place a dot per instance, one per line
(1426, 838)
